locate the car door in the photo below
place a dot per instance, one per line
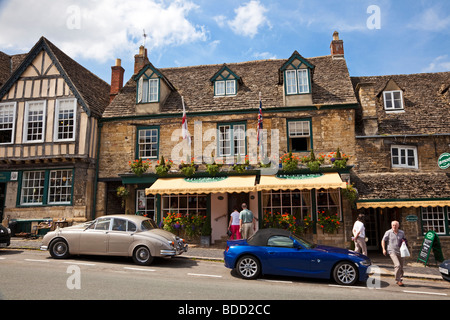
(120, 237)
(94, 240)
(286, 258)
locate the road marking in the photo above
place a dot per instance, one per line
(204, 275)
(36, 260)
(139, 269)
(81, 263)
(424, 292)
(2, 258)
(349, 287)
(276, 281)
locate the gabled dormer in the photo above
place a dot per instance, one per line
(392, 97)
(152, 89)
(225, 82)
(296, 75)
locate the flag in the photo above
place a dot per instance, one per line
(260, 122)
(184, 127)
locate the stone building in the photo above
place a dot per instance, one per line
(49, 111)
(307, 104)
(402, 129)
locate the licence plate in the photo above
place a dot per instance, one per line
(442, 270)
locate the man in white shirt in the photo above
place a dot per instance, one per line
(359, 235)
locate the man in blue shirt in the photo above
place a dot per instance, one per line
(247, 222)
(393, 239)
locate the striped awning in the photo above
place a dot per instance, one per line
(403, 203)
(203, 185)
(301, 182)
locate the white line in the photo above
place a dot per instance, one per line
(2, 258)
(276, 281)
(81, 263)
(424, 292)
(204, 275)
(35, 260)
(139, 269)
(349, 287)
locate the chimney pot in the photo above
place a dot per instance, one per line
(337, 46)
(140, 60)
(117, 73)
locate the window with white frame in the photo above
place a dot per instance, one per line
(404, 157)
(393, 100)
(60, 187)
(225, 87)
(329, 202)
(299, 135)
(145, 204)
(294, 202)
(297, 81)
(433, 219)
(148, 143)
(7, 122)
(65, 119)
(32, 191)
(192, 204)
(231, 140)
(148, 90)
(34, 126)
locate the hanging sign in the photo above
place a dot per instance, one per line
(444, 161)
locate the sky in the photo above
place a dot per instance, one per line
(381, 37)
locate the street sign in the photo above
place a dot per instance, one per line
(430, 241)
(444, 160)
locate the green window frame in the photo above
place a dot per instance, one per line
(232, 139)
(435, 219)
(148, 89)
(147, 144)
(299, 134)
(47, 187)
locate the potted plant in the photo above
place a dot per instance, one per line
(289, 162)
(213, 168)
(328, 222)
(139, 167)
(351, 194)
(339, 161)
(163, 166)
(312, 162)
(188, 169)
(122, 193)
(205, 239)
(241, 167)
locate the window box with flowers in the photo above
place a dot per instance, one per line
(162, 167)
(188, 169)
(327, 221)
(338, 159)
(289, 162)
(139, 166)
(283, 221)
(241, 167)
(213, 168)
(313, 162)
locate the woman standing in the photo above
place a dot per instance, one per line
(233, 226)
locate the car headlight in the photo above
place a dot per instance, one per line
(9, 230)
(365, 263)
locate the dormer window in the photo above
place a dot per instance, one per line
(296, 72)
(393, 100)
(225, 82)
(297, 81)
(148, 90)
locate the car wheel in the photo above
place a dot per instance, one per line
(248, 267)
(345, 273)
(142, 256)
(59, 249)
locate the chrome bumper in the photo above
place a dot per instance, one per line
(174, 252)
(43, 248)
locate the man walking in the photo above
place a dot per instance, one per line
(359, 235)
(394, 238)
(247, 222)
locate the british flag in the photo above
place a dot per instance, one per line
(260, 122)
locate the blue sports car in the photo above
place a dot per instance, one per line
(279, 252)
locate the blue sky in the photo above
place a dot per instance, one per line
(380, 36)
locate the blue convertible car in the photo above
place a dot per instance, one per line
(279, 252)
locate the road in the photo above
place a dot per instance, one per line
(31, 275)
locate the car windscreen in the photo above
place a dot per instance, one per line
(303, 242)
(148, 224)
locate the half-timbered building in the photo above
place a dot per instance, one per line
(49, 112)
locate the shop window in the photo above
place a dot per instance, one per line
(145, 204)
(192, 204)
(294, 202)
(435, 219)
(329, 202)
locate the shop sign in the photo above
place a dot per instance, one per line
(411, 218)
(444, 160)
(430, 241)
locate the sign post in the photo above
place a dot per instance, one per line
(430, 241)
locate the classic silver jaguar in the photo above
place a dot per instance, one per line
(115, 235)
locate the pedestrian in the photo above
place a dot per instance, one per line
(234, 225)
(247, 222)
(394, 238)
(359, 235)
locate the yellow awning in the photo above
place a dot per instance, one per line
(301, 181)
(203, 185)
(400, 204)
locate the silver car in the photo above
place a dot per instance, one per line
(115, 235)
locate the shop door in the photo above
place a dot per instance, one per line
(235, 201)
(371, 225)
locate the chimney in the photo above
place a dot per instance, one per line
(337, 46)
(140, 60)
(116, 79)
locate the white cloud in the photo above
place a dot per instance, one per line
(101, 29)
(249, 18)
(439, 64)
(431, 20)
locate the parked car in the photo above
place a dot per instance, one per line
(115, 235)
(279, 252)
(444, 269)
(5, 236)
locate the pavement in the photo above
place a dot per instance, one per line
(412, 269)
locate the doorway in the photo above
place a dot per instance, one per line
(377, 221)
(235, 201)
